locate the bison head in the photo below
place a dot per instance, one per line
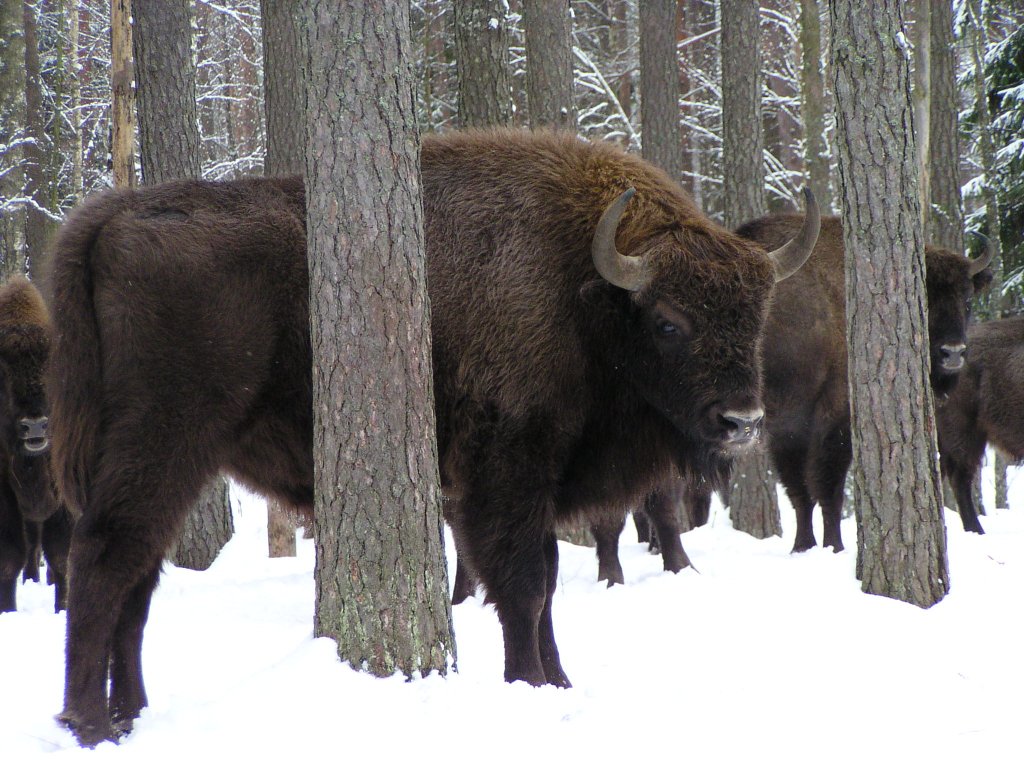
(23, 420)
(952, 282)
(694, 308)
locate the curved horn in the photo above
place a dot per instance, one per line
(626, 272)
(980, 263)
(791, 256)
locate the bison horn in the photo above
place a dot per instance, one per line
(791, 256)
(980, 263)
(626, 272)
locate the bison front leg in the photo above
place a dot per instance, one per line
(662, 507)
(13, 548)
(962, 481)
(56, 544)
(606, 530)
(549, 657)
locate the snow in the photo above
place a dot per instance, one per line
(761, 658)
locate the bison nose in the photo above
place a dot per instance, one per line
(953, 356)
(742, 426)
(32, 433)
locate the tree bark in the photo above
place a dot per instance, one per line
(381, 582)
(122, 120)
(923, 100)
(812, 91)
(659, 87)
(165, 81)
(549, 71)
(284, 61)
(38, 226)
(165, 90)
(12, 124)
(753, 503)
(897, 498)
(946, 215)
(482, 61)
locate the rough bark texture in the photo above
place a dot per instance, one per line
(901, 534)
(549, 74)
(482, 61)
(38, 226)
(753, 502)
(281, 524)
(922, 98)
(12, 118)
(165, 90)
(205, 534)
(812, 107)
(381, 582)
(122, 142)
(165, 82)
(659, 86)
(946, 215)
(284, 59)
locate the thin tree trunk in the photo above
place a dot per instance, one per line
(1001, 488)
(37, 224)
(482, 61)
(284, 61)
(122, 142)
(946, 216)
(381, 582)
(12, 123)
(754, 505)
(901, 533)
(549, 72)
(204, 534)
(922, 99)
(74, 116)
(812, 105)
(659, 87)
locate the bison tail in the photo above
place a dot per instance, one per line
(74, 379)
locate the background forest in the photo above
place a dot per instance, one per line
(55, 94)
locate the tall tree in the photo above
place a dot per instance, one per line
(12, 122)
(381, 582)
(122, 119)
(482, 62)
(753, 501)
(38, 226)
(165, 81)
(945, 217)
(659, 86)
(922, 95)
(549, 73)
(284, 105)
(284, 59)
(902, 537)
(812, 106)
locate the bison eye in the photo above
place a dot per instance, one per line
(665, 328)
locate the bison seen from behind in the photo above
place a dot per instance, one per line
(985, 407)
(568, 376)
(30, 517)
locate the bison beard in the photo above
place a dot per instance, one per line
(568, 376)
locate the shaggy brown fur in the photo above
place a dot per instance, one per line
(985, 407)
(31, 522)
(183, 347)
(806, 386)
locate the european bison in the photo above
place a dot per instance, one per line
(986, 406)
(806, 387)
(30, 518)
(567, 376)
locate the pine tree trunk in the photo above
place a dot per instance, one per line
(659, 87)
(482, 60)
(122, 120)
(284, 61)
(381, 582)
(812, 105)
(1001, 489)
(946, 216)
(12, 122)
(753, 503)
(549, 71)
(38, 226)
(922, 100)
(165, 81)
(901, 533)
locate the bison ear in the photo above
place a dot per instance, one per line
(982, 280)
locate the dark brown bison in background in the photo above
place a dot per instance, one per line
(568, 376)
(31, 521)
(806, 387)
(985, 407)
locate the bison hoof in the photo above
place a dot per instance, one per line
(87, 734)
(803, 546)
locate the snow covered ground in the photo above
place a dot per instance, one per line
(761, 658)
